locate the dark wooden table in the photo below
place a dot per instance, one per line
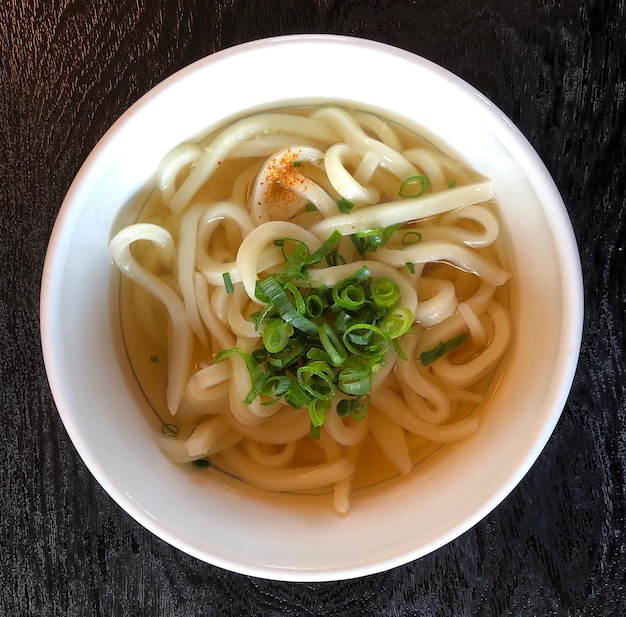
(556, 546)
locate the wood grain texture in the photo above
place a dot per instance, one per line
(555, 546)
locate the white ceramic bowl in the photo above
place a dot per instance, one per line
(288, 537)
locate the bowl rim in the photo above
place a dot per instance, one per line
(571, 327)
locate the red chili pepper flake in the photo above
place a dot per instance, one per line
(283, 179)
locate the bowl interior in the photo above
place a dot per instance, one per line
(284, 536)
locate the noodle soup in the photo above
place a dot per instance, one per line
(314, 299)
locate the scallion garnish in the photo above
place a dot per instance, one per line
(385, 292)
(370, 240)
(228, 283)
(334, 259)
(322, 344)
(415, 186)
(276, 335)
(345, 205)
(411, 266)
(411, 237)
(440, 350)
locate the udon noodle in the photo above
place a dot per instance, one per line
(358, 200)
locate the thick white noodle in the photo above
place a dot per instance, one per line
(278, 458)
(199, 401)
(462, 375)
(350, 132)
(343, 488)
(405, 210)
(239, 324)
(474, 325)
(180, 339)
(187, 237)
(285, 426)
(209, 222)
(231, 137)
(221, 336)
(394, 405)
(279, 169)
(251, 249)
(454, 325)
(410, 375)
(380, 128)
(446, 252)
(429, 166)
(335, 161)
(441, 301)
(240, 384)
(367, 166)
(389, 435)
(264, 145)
(205, 435)
(477, 214)
(277, 479)
(347, 433)
(212, 375)
(170, 167)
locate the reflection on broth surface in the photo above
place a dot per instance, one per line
(314, 299)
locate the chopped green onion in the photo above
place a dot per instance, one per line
(345, 205)
(398, 322)
(451, 184)
(292, 352)
(276, 335)
(276, 294)
(314, 306)
(310, 208)
(203, 463)
(228, 283)
(411, 266)
(370, 240)
(364, 339)
(415, 186)
(332, 345)
(334, 259)
(154, 358)
(315, 432)
(389, 231)
(320, 346)
(317, 379)
(294, 260)
(297, 163)
(318, 409)
(351, 296)
(259, 355)
(385, 292)
(295, 396)
(395, 342)
(355, 408)
(315, 353)
(411, 237)
(356, 377)
(276, 385)
(327, 246)
(298, 300)
(257, 376)
(430, 356)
